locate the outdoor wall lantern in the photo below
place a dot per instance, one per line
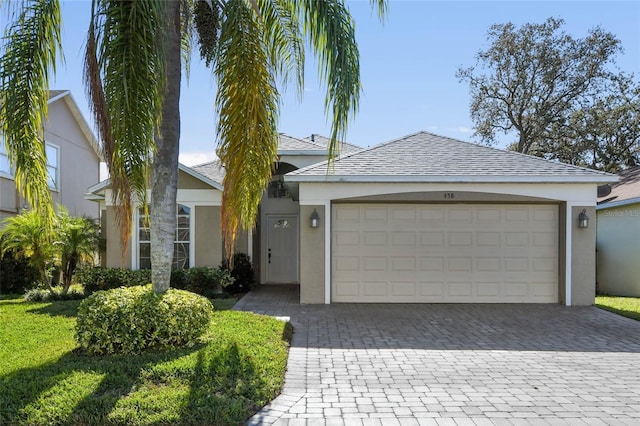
(583, 219)
(315, 219)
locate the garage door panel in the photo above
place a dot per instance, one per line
(403, 289)
(488, 289)
(445, 253)
(459, 264)
(373, 214)
(402, 263)
(461, 239)
(375, 289)
(487, 239)
(347, 238)
(374, 238)
(432, 239)
(432, 264)
(487, 264)
(374, 263)
(459, 289)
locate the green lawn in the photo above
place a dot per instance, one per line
(43, 381)
(626, 306)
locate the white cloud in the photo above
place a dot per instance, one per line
(194, 158)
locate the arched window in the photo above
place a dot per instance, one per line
(181, 243)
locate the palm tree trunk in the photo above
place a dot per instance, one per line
(164, 169)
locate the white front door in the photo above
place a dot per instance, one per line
(282, 249)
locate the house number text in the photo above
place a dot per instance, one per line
(448, 196)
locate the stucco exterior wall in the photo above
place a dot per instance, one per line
(583, 258)
(312, 256)
(618, 243)
(208, 250)
(186, 181)
(79, 165)
(115, 259)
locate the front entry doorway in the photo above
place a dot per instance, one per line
(282, 249)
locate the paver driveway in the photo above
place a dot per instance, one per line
(453, 364)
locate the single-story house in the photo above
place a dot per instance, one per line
(618, 236)
(420, 219)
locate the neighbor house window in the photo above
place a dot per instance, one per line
(5, 164)
(181, 244)
(53, 170)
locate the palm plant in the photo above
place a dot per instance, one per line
(76, 239)
(28, 235)
(135, 51)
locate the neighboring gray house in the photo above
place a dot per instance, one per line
(420, 219)
(73, 160)
(618, 237)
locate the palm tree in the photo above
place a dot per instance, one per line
(76, 239)
(135, 51)
(28, 236)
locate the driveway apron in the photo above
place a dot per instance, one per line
(415, 364)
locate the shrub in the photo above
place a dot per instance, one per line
(43, 295)
(99, 278)
(242, 273)
(206, 281)
(131, 320)
(16, 274)
(209, 282)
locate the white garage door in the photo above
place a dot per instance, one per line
(442, 253)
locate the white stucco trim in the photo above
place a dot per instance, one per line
(192, 234)
(568, 253)
(319, 193)
(327, 252)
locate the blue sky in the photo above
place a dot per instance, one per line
(408, 66)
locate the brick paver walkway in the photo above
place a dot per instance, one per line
(367, 364)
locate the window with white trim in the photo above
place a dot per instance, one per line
(181, 244)
(53, 171)
(5, 164)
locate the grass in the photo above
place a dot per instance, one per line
(625, 306)
(43, 381)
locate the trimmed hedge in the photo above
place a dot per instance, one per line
(131, 320)
(206, 281)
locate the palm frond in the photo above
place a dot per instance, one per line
(186, 31)
(284, 40)
(331, 32)
(32, 43)
(247, 106)
(131, 68)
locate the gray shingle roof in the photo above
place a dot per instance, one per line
(345, 147)
(212, 170)
(426, 157)
(289, 143)
(627, 188)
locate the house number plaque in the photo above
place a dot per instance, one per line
(449, 196)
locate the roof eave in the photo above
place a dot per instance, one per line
(450, 179)
(612, 204)
(95, 189)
